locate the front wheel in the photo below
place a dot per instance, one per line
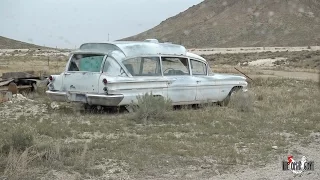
(226, 101)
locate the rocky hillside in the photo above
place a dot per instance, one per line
(235, 23)
(6, 43)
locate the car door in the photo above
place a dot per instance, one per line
(146, 76)
(181, 85)
(83, 73)
(207, 87)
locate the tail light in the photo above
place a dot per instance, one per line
(51, 78)
(105, 81)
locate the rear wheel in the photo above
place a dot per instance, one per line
(34, 86)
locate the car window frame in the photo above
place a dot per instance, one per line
(206, 67)
(142, 56)
(116, 61)
(85, 53)
(169, 56)
(161, 65)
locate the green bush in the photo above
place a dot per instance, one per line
(150, 107)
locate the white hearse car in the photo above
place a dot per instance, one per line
(113, 74)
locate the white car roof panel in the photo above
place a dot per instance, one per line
(132, 48)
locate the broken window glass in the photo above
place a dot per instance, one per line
(85, 62)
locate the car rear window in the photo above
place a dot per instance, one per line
(84, 62)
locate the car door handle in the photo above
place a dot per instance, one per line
(198, 81)
(67, 74)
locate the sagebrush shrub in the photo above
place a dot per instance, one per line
(242, 101)
(19, 140)
(150, 107)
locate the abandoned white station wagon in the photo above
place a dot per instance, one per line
(115, 73)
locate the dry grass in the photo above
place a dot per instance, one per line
(41, 64)
(298, 60)
(243, 101)
(303, 61)
(18, 165)
(210, 140)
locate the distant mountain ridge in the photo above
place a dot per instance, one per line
(242, 23)
(7, 43)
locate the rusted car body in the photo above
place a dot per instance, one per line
(115, 73)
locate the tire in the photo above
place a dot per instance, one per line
(226, 101)
(34, 86)
(87, 108)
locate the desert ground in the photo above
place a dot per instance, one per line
(210, 51)
(249, 139)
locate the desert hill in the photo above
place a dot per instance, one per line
(6, 43)
(237, 23)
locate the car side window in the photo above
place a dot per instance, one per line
(112, 68)
(86, 62)
(198, 68)
(173, 66)
(143, 66)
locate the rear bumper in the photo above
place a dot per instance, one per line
(91, 99)
(57, 96)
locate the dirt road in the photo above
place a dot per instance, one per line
(288, 74)
(209, 51)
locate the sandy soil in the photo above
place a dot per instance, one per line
(274, 171)
(266, 62)
(24, 52)
(287, 74)
(209, 51)
(269, 172)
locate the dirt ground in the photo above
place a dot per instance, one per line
(194, 144)
(210, 51)
(287, 74)
(247, 140)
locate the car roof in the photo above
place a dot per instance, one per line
(134, 48)
(195, 56)
(137, 48)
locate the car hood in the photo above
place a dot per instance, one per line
(228, 76)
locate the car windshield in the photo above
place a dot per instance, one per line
(86, 62)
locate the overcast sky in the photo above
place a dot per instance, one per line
(68, 23)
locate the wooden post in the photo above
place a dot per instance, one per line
(244, 74)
